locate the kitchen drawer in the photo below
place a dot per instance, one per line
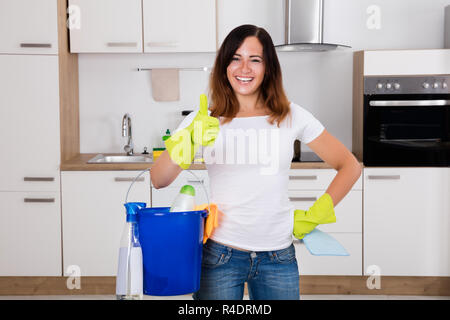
(332, 265)
(310, 179)
(185, 177)
(348, 212)
(30, 234)
(315, 179)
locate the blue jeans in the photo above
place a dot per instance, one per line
(270, 275)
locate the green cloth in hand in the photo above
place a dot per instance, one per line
(321, 212)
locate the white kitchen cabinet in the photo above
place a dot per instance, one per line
(179, 25)
(164, 197)
(304, 188)
(108, 26)
(28, 27)
(30, 130)
(30, 234)
(267, 14)
(94, 215)
(331, 265)
(407, 221)
(406, 62)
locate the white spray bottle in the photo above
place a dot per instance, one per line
(129, 282)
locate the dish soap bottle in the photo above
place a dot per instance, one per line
(167, 135)
(129, 274)
(185, 201)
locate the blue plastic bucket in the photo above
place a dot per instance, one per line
(172, 245)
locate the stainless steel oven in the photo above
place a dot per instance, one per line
(406, 121)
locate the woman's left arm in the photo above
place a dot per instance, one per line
(333, 152)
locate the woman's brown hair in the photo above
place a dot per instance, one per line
(223, 100)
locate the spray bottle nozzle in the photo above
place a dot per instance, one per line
(132, 209)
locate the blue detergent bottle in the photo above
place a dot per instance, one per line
(129, 272)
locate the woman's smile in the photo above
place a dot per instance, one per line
(244, 80)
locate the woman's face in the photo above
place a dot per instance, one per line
(246, 69)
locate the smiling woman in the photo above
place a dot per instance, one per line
(248, 157)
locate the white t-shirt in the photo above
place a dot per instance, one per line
(248, 168)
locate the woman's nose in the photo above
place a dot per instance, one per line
(245, 66)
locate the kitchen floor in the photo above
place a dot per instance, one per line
(189, 297)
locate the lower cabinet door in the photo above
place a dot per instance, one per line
(332, 265)
(407, 221)
(30, 234)
(94, 216)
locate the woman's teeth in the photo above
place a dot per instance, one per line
(244, 79)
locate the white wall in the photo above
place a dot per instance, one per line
(320, 82)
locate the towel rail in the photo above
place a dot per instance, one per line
(184, 69)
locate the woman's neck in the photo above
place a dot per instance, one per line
(250, 104)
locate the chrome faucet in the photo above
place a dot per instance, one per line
(126, 132)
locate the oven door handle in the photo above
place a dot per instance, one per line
(401, 103)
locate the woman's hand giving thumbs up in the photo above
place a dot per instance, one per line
(203, 130)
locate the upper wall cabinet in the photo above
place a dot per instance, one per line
(268, 14)
(105, 26)
(36, 32)
(179, 25)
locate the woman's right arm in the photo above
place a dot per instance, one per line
(164, 171)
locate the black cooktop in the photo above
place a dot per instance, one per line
(308, 157)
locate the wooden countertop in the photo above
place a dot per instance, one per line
(79, 163)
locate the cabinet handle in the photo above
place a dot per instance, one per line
(408, 103)
(121, 44)
(390, 177)
(302, 177)
(163, 44)
(40, 200)
(303, 198)
(35, 179)
(120, 179)
(195, 181)
(35, 45)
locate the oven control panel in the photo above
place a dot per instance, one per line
(407, 84)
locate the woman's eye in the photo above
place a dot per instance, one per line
(252, 60)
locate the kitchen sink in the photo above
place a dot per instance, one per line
(101, 158)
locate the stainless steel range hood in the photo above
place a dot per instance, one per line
(304, 27)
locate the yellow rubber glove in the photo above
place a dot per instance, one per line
(321, 212)
(203, 130)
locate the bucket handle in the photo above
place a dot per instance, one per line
(195, 176)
